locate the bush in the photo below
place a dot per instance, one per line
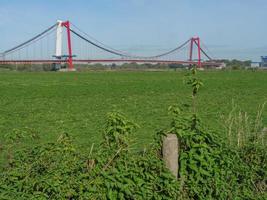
(59, 170)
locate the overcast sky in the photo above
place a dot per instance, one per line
(229, 28)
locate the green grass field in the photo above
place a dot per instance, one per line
(77, 103)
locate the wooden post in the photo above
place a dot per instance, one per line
(170, 153)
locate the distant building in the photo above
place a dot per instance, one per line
(255, 64)
(264, 61)
(221, 66)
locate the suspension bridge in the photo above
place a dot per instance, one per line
(65, 43)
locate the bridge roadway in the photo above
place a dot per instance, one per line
(205, 63)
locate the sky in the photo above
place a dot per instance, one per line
(228, 28)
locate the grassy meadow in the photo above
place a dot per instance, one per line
(50, 103)
(42, 112)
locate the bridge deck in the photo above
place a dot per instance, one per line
(107, 61)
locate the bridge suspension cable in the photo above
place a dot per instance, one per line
(97, 41)
(39, 36)
(95, 51)
(96, 45)
(209, 52)
(123, 54)
(204, 52)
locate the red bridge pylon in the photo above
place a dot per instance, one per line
(70, 63)
(196, 41)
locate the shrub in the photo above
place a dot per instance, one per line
(59, 170)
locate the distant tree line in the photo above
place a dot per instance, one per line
(229, 64)
(235, 64)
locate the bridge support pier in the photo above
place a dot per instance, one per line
(67, 25)
(58, 53)
(196, 41)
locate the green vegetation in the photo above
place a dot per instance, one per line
(59, 170)
(222, 147)
(229, 65)
(236, 64)
(76, 103)
(212, 168)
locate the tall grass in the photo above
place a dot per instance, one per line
(242, 129)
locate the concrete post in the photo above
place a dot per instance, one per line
(170, 153)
